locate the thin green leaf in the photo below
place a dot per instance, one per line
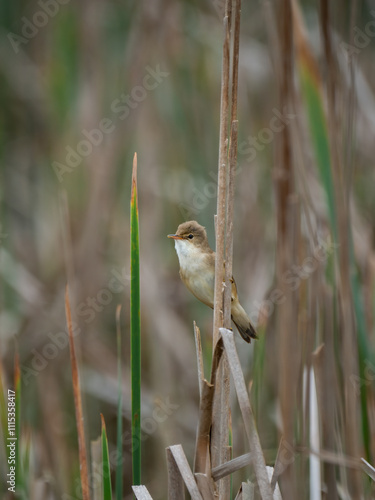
(364, 352)
(135, 327)
(119, 411)
(107, 491)
(311, 92)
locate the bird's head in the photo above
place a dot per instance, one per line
(192, 233)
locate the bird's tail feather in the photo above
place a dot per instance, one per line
(243, 323)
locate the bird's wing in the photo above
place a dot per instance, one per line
(234, 288)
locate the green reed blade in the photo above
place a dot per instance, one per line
(119, 411)
(107, 491)
(135, 330)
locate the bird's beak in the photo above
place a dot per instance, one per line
(174, 237)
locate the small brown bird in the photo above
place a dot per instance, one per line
(197, 271)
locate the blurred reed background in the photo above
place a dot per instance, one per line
(86, 84)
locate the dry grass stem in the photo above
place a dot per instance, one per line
(220, 451)
(77, 404)
(222, 182)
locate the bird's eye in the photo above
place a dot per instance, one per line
(190, 236)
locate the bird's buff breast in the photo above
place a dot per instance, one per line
(196, 272)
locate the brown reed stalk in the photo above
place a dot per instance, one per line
(220, 452)
(77, 404)
(287, 241)
(222, 183)
(202, 461)
(232, 165)
(219, 427)
(342, 198)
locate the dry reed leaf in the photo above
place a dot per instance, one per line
(276, 491)
(333, 458)
(204, 428)
(176, 487)
(205, 486)
(247, 414)
(141, 493)
(176, 453)
(231, 466)
(368, 468)
(280, 463)
(202, 457)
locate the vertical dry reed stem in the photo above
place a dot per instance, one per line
(328, 399)
(232, 166)
(221, 198)
(220, 450)
(287, 238)
(342, 196)
(220, 426)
